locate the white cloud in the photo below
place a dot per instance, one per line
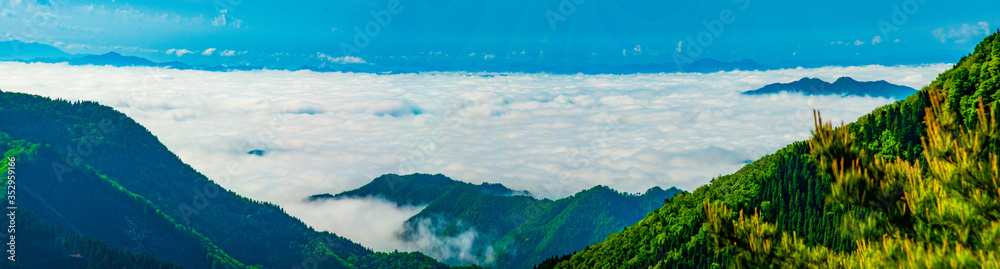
(858, 42)
(178, 52)
(877, 39)
(208, 51)
(379, 224)
(87, 9)
(77, 46)
(382, 219)
(680, 44)
(340, 60)
(221, 19)
(131, 15)
(124, 48)
(963, 33)
(552, 135)
(224, 19)
(463, 248)
(228, 53)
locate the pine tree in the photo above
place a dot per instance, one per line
(941, 211)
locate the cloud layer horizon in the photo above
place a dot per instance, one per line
(552, 135)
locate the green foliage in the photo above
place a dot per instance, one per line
(142, 189)
(45, 246)
(518, 230)
(128, 221)
(397, 260)
(803, 218)
(945, 213)
(673, 236)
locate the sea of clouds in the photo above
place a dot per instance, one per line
(552, 135)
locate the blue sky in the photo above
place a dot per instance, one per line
(559, 33)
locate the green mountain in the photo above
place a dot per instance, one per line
(791, 216)
(95, 189)
(511, 229)
(842, 86)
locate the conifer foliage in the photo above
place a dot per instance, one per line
(940, 211)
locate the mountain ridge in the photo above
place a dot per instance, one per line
(63, 143)
(512, 228)
(844, 86)
(42, 53)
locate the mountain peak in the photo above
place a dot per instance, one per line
(842, 86)
(845, 79)
(112, 53)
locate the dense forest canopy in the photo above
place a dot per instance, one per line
(911, 184)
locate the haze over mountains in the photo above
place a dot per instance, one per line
(40, 53)
(491, 225)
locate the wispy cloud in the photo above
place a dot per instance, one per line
(963, 33)
(374, 222)
(179, 52)
(340, 60)
(228, 53)
(224, 19)
(208, 52)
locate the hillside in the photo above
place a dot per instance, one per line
(842, 86)
(513, 230)
(97, 174)
(786, 195)
(124, 221)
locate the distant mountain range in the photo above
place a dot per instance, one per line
(41, 53)
(513, 230)
(14, 50)
(843, 86)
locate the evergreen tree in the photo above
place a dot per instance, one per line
(941, 211)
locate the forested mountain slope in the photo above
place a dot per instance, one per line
(87, 203)
(512, 230)
(93, 172)
(785, 190)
